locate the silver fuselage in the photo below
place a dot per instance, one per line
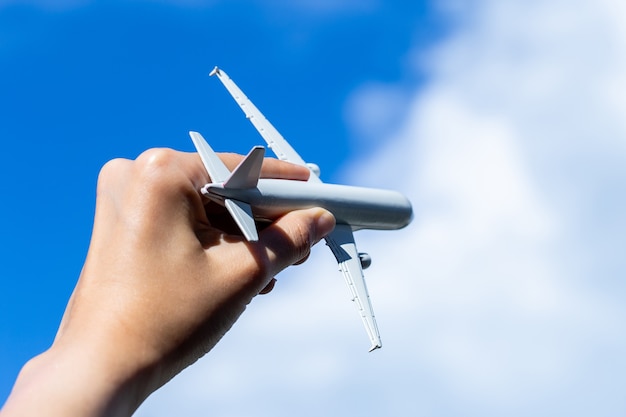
(361, 208)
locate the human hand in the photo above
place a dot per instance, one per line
(162, 282)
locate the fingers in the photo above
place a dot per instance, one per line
(161, 187)
(285, 242)
(272, 168)
(195, 170)
(289, 239)
(251, 266)
(269, 287)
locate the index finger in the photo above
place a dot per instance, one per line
(272, 167)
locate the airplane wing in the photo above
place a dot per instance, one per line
(275, 141)
(341, 240)
(341, 243)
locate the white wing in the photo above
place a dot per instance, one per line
(275, 141)
(341, 242)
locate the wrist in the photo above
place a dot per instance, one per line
(80, 382)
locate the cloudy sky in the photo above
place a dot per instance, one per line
(504, 122)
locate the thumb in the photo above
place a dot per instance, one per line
(290, 238)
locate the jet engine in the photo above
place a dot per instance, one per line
(366, 260)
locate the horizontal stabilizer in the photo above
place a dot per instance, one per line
(213, 164)
(247, 173)
(242, 214)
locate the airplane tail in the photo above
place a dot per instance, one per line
(245, 175)
(248, 172)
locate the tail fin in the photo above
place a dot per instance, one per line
(247, 173)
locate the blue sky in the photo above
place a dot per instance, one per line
(84, 82)
(503, 121)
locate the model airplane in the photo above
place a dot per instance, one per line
(249, 198)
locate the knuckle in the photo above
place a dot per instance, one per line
(110, 172)
(261, 268)
(301, 241)
(155, 166)
(156, 159)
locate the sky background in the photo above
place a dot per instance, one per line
(503, 121)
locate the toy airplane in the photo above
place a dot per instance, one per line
(249, 198)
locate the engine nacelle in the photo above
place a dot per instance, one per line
(366, 260)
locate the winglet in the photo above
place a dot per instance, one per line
(375, 346)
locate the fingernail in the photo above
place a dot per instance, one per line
(325, 224)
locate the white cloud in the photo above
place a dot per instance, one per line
(375, 110)
(504, 296)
